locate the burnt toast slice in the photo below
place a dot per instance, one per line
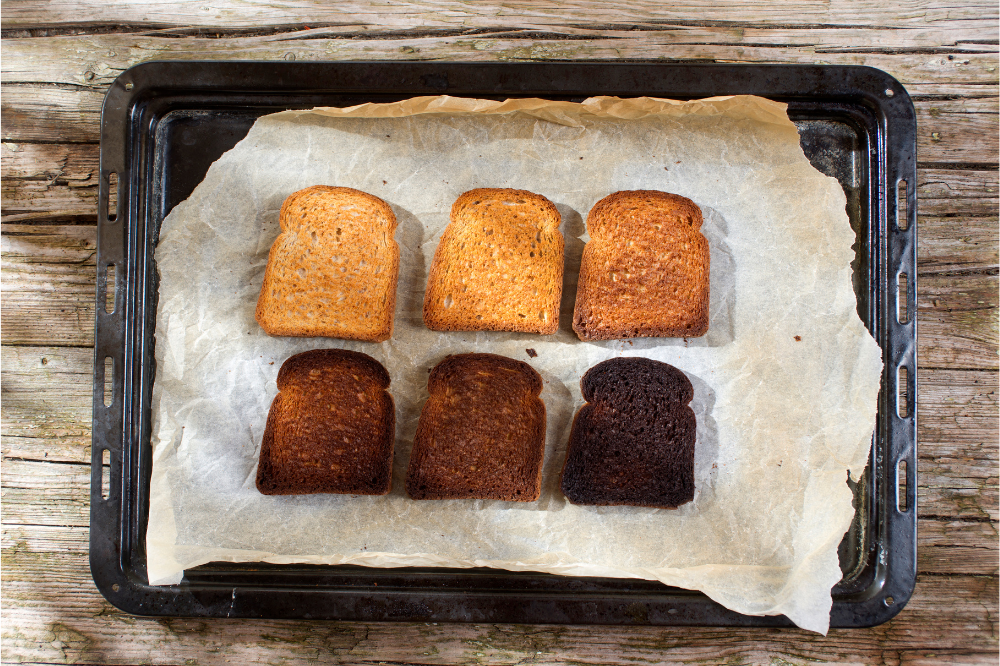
(645, 271)
(498, 266)
(633, 442)
(331, 427)
(481, 434)
(332, 271)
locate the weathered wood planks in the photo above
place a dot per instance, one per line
(48, 99)
(52, 301)
(48, 393)
(46, 409)
(44, 181)
(61, 56)
(83, 628)
(58, 181)
(429, 14)
(49, 291)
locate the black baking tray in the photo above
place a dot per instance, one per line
(164, 123)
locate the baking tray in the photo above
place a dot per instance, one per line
(164, 123)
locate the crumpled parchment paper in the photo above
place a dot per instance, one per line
(781, 419)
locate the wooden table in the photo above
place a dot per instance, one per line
(60, 57)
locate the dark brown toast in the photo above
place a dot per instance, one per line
(633, 442)
(481, 433)
(332, 270)
(645, 271)
(499, 265)
(331, 427)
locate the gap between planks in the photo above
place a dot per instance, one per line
(46, 182)
(33, 115)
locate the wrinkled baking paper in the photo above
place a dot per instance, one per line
(780, 421)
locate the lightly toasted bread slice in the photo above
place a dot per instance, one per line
(633, 442)
(645, 271)
(498, 266)
(332, 270)
(481, 434)
(330, 428)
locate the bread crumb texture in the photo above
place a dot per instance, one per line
(633, 442)
(330, 428)
(499, 265)
(481, 434)
(332, 270)
(645, 271)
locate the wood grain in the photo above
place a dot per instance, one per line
(83, 628)
(50, 275)
(62, 54)
(957, 193)
(43, 181)
(957, 321)
(944, 128)
(59, 99)
(957, 547)
(47, 403)
(49, 182)
(956, 245)
(46, 413)
(228, 14)
(94, 61)
(49, 114)
(958, 427)
(44, 493)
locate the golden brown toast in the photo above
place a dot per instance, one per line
(644, 272)
(633, 442)
(330, 428)
(499, 265)
(332, 270)
(481, 433)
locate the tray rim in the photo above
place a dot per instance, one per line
(895, 569)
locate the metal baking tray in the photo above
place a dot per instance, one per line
(164, 123)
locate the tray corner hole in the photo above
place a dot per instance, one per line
(109, 380)
(902, 392)
(902, 222)
(901, 487)
(110, 287)
(902, 298)
(112, 197)
(105, 474)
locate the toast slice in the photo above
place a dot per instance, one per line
(481, 434)
(499, 265)
(644, 272)
(330, 428)
(633, 442)
(332, 270)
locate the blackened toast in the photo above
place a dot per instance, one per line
(633, 442)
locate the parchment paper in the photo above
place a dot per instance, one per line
(781, 419)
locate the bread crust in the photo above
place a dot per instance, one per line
(498, 266)
(330, 429)
(645, 271)
(633, 443)
(332, 270)
(481, 433)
